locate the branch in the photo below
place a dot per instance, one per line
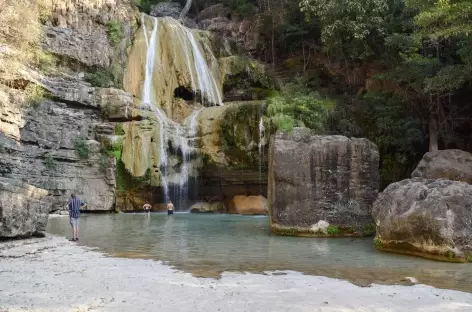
(186, 9)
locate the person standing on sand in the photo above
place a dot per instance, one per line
(74, 214)
(147, 207)
(170, 208)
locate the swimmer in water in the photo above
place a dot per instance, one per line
(170, 208)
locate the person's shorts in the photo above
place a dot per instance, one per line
(74, 221)
(169, 212)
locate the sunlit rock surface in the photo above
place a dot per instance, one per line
(24, 209)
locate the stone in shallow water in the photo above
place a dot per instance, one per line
(23, 209)
(204, 207)
(428, 218)
(315, 178)
(248, 205)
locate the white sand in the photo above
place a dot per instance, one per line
(52, 274)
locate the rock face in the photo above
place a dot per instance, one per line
(428, 218)
(316, 178)
(204, 207)
(23, 209)
(248, 205)
(90, 49)
(451, 164)
(162, 9)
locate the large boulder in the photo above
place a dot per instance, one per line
(428, 218)
(322, 185)
(205, 207)
(450, 164)
(248, 205)
(23, 209)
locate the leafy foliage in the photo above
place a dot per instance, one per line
(34, 94)
(81, 147)
(49, 162)
(298, 106)
(348, 26)
(115, 31)
(101, 78)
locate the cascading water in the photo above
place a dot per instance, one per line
(198, 74)
(147, 98)
(261, 148)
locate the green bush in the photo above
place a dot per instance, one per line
(104, 162)
(34, 94)
(81, 147)
(333, 230)
(369, 229)
(298, 106)
(115, 32)
(49, 162)
(119, 129)
(101, 78)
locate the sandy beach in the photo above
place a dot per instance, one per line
(52, 274)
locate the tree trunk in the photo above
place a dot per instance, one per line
(433, 132)
(186, 9)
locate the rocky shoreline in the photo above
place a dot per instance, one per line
(52, 274)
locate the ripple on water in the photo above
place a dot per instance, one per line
(207, 245)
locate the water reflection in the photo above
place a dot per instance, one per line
(207, 245)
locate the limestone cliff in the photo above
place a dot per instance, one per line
(51, 123)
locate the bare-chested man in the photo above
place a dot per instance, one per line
(170, 208)
(147, 207)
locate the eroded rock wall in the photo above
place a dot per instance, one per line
(23, 209)
(322, 185)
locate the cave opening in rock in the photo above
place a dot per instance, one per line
(184, 93)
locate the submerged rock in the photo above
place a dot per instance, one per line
(428, 218)
(450, 164)
(315, 178)
(205, 207)
(23, 209)
(248, 205)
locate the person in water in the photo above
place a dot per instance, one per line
(75, 205)
(170, 208)
(147, 207)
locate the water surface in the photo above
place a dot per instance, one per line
(207, 245)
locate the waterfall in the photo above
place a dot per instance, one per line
(261, 148)
(179, 61)
(187, 146)
(147, 99)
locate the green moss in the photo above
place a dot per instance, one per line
(378, 243)
(450, 255)
(115, 32)
(333, 230)
(369, 229)
(469, 258)
(81, 147)
(119, 129)
(240, 128)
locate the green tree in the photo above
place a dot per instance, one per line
(349, 28)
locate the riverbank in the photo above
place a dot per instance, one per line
(52, 274)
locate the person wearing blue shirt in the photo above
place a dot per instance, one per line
(75, 204)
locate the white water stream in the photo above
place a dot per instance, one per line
(181, 136)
